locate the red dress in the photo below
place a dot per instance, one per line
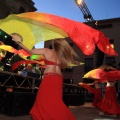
(109, 104)
(49, 104)
(97, 94)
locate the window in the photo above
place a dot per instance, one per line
(69, 69)
(88, 64)
(112, 43)
(110, 61)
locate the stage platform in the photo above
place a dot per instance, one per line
(18, 93)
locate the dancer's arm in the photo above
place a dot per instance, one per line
(88, 87)
(33, 51)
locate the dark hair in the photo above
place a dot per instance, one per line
(107, 68)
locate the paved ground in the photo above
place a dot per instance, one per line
(84, 112)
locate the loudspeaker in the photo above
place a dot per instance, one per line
(100, 57)
(73, 99)
(18, 103)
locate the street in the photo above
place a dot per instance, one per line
(84, 112)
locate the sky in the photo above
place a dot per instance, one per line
(99, 9)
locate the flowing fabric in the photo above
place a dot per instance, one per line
(112, 75)
(95, 74)
(9, 49)
(49, 104)
(17, 64)
(31, 31)
(96, 91)
(22, 53)
(82, 35)
(36, 27)
(109, 104)
(97, 97)
(103, 76)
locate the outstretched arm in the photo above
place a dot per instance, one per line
(39, 51)
(24, 47)
(88, 87)
(18, 39)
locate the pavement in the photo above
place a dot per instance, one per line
(83, 112)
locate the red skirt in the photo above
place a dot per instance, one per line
(97, 97)
(49, 104)
(96, 91)
(109, 104)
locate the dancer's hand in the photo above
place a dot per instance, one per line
(16, 39)
(80, 83)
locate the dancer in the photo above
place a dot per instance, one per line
(96, 91)
(109, 104)
(49, 104)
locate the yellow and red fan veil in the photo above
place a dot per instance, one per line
(103, 76)
(31, 31)
(95, 74)
(4, 48)
(82, 35)
(35, 27)
(17, 64)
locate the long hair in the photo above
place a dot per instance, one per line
(64, 51)
(107, 68)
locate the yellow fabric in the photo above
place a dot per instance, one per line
(32, 31)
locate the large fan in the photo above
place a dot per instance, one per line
(82, 35)
(35, 27)
(102, 75)
(31, 31)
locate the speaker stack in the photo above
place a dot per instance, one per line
(73, 95)
(17, 93)
(17, 103)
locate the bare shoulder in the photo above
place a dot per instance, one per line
(40, 51)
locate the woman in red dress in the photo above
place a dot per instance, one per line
(109, 104)
(96, 91)
(49, 104)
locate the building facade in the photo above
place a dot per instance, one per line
(15, 6)
(110, 28)
(8, 7)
